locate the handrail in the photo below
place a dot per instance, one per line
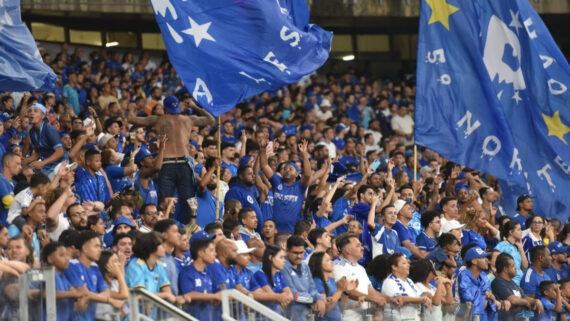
(134, 305)
(258, 307)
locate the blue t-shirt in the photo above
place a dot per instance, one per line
(471, 237)
(245, 278)
(531, 280)
(426, 243)
(72, 98)
(404, 233)
(232, 167)
(149, 195)
(7, 196)
(548, 314)
(78, 275)
(278, 285)
(334, 314)
(287, 203)
(64, 306)
(521, 219)
(117, 178)
(266, 209)
(341, 208)
(91, 188)
(506, 247)
(557, 275)
(45, 141)
(219, 274)
(206, 211)
(241, 193)
(192, 280)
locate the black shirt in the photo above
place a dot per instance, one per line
(503, 289)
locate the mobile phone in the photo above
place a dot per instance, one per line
(269, 149)
(375, 165)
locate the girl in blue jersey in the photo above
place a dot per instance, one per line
(534, 225)
(271, 287)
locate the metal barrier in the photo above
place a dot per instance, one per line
(145, 306)
(237, 306)
(35, 285)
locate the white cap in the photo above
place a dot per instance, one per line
(326, 103)
(451, 225)
(242, 248)
(399, 204)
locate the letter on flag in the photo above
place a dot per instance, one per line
(21, 66)
(228, 50)
(492, 94)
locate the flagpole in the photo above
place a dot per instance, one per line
(218, 169)
(415, 162)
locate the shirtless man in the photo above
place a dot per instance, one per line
(175, 172)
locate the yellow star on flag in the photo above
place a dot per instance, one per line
(555, 126)
(440, 12)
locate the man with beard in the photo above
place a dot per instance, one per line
(223, 271)
(241, 191)
(206, 196)
(149, 217)
(466, 199)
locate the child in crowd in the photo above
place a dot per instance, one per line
(551, 299)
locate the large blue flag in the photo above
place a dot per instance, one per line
(228, 50)
(492, 94)
(21, 66)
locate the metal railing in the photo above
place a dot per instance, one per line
(145, 306)
(40, 282)
(237, 306)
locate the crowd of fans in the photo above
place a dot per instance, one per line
(322, 211)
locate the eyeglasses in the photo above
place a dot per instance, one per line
(152, 213)
(76, 214)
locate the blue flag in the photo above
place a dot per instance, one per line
(228, 50)
(21, 66)
(492, 94)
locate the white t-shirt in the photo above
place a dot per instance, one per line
(436, 314)
(394, 287)
(62, 225)
(404, 124)
(354, 311)
(21, 200)
(331, 147)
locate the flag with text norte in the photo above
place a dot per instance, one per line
(492, 94)
(228, 50)
(21, 66)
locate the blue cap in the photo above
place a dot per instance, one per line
(475, 253)
(63, 134)
(245, 160)
(181, 91)
(122, 220)
(557, 248)
(461, 185)
(289, 163)
(41, 107)
(201, 235)
(307, 126)
(171, 104)
(142, 154)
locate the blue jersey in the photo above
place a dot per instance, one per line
(91, 188)
(45, 141)
(231, 167)
(334, 314)
(426, 243)
(7, 196)
(531, 280)
(279, 284)
(506, 247)
(548, 314)
(117, 178)
(341, 208)
(241, 193)
(529, 242)
(78, 275)
(206, 211)
(521, 219)
(404, 233)
(192, 280)
(557, 275)
(471, 237)
(222, 275)
(138, 275)
(149, 195)
(415, 225)
(64, 306)
(245, 278)
(473, 290)
(288, 203)
(384, 241)
(266, 209)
